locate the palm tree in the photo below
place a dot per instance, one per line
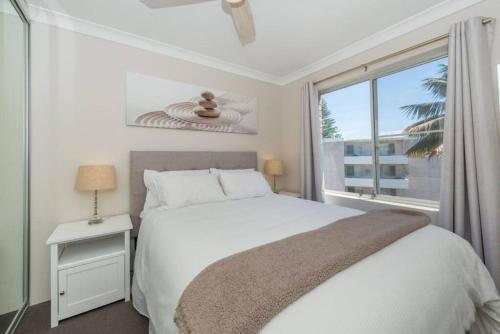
(429, 116)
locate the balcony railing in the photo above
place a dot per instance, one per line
(358, 176)
(369, 153)
(358, 154)
(383, 159)
(390, 183)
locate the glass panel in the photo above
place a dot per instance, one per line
(347, 144)
(12, 163)
(410, 124)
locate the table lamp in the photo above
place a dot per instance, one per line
(274, 168)
(95, 178)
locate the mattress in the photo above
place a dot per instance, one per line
(430, 281)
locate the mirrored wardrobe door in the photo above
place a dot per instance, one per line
(14, 188)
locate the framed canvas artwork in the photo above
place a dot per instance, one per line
(161, 103)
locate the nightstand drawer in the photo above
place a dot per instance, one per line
(84, 287)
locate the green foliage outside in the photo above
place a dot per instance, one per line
(328, 127)
(429, 118)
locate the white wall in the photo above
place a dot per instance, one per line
(78, 117)
(290, 149)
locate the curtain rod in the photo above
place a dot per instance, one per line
(485, 20)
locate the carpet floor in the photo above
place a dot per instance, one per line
(116, 318)
(5, 320)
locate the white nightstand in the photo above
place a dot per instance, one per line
(89, 266)
(288, 193)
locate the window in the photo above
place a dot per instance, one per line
(388, 171)
(349, 150)
(399, 117)
(346, 128)
(387, 148)
(349, 171)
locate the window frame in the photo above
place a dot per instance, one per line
(371, 77)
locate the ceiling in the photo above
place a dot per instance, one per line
(291, 34)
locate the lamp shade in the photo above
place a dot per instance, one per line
(96, 177)
(274, 167)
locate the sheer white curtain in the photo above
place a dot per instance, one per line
(470, 182)
(311, 162)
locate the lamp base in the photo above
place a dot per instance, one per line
(275, 188)
(95, 220)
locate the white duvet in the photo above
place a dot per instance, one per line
(429, 282)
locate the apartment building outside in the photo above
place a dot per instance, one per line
(400, 175)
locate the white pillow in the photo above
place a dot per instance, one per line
(177, 191)
(217, 171)
(150, 176)
(244, 185)
(151, 194)
(151, 202)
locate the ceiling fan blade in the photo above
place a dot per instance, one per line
(154, 4)
(243, 20)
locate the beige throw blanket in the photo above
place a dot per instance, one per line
(243, 292)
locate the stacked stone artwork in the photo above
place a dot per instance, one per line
(207, 107)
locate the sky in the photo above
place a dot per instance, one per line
(350, 106)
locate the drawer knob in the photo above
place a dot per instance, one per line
(61, 293)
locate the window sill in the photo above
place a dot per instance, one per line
(415, 204)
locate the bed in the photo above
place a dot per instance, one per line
(430, 281)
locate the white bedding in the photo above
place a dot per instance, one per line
(430, 281)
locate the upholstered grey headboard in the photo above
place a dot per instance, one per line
(177, 160)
